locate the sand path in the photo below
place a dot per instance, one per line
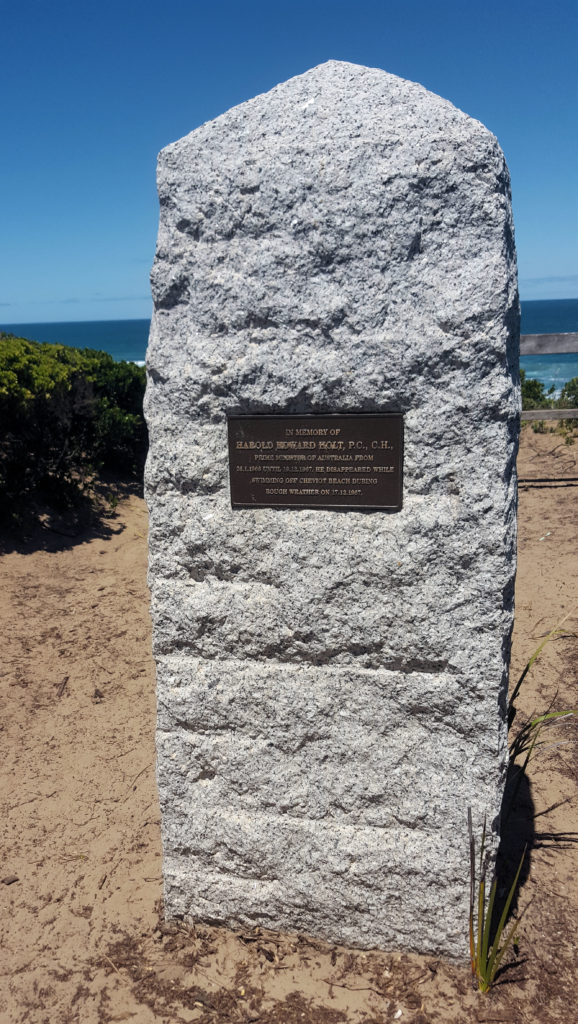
(80, 878)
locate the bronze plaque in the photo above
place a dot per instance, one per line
(351, 461)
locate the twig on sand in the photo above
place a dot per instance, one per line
(482, 1020)
(114, 967)
(132, 785)
(351, 988)
(62, 686)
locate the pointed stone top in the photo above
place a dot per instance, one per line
(343, 100)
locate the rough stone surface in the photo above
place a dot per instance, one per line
(331, 686)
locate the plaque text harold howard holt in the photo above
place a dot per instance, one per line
(335, 461)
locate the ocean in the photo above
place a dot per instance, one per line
(127, 339)
(550, 316)
(122, 339)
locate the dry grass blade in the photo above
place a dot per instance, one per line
(472, 890)
(557, 631)
(527, 738)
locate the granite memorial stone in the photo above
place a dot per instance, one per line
(332, 680)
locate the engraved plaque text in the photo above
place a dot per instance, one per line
(350, 461)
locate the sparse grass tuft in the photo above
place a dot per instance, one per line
(488, 945)
(488, 941)
(557, 631)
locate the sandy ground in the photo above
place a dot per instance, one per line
(81, 929)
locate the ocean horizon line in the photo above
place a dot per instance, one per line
(142, 319)
(126, 338)
(57, 323)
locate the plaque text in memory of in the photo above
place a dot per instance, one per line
(348, 461)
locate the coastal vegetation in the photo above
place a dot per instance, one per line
(535, 396)
(67, 415)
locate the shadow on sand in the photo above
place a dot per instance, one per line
(517, 835)
(44, 528)
(520, 837)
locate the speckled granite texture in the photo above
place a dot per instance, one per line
(331, 685)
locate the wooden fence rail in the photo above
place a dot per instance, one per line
(550, 414)
(548, 344)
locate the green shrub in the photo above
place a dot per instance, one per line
(569, 395)
(533, 394)
(65, 414)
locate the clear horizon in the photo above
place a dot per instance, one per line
(97, 91)
(119, 319)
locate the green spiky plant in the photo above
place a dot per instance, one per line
(528, 737)
(488, 942)
(488, 945)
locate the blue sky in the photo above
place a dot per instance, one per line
(92, 91)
